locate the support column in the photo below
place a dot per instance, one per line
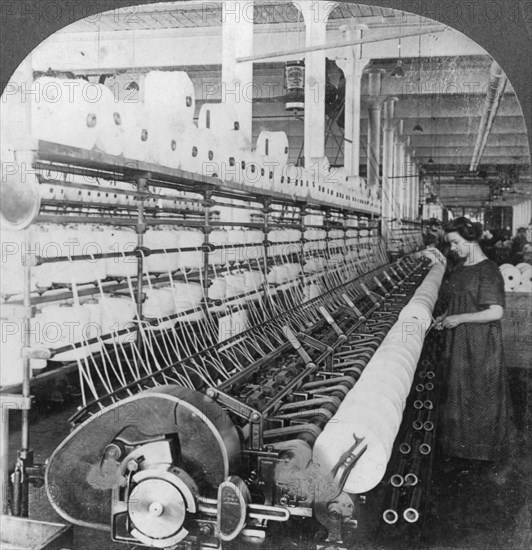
(387, 166)
(406, 179)
(408, 184)
(315, 15)
(352, 64)
(398, 181)
(237, 78)
(415, 197)
(374, 128)
(409, 180)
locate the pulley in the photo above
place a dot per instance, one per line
(20, 200)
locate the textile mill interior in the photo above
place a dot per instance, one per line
(266, 277)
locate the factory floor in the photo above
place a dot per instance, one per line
(464, 509)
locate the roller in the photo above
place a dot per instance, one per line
(370, 417)
(139, 133)
(110, 132)
(220, 118)
(65, 112)
(169, 95)
(168, 145)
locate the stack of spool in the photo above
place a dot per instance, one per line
(272, 154)
(120, 240)
(218, 238)
(234, 252)
(189, 239)
(517, 278)
(373, 408)
(110, 136)
(169, 103)
(254, 244)
(169, 145)
(276, 236)
(139, 132)
(161, 238)
(512, 277)
(526, 277)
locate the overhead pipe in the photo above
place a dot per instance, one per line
(340, 44)
(497, 85)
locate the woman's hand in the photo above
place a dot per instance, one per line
(452, 321)
(438, 322)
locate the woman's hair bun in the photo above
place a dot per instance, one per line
(470, 231)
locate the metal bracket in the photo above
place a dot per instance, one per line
(348, 460)
(36, 353)
(244, 411)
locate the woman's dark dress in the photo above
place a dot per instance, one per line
(476, 412)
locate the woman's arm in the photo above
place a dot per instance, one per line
(493, 313)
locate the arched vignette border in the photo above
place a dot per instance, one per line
(502, 27)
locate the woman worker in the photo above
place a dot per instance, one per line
(477, 411)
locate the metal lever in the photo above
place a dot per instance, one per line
(403, 270)
(296, 344)
(352, 306)
(381, 286)
(328, 317)
(395, 274)
(370, 294)
(390, 280)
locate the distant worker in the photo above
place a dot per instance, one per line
(518, 245)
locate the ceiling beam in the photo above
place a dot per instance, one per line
(178, 47)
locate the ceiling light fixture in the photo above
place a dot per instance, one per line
(398, 71)
(418, 129)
